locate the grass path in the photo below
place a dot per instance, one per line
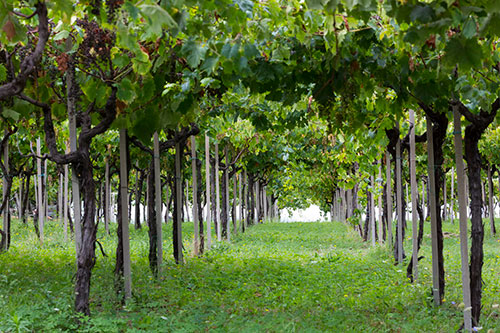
(277, 277)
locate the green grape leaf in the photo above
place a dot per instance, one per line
(465, 52)
(3, 73)
(226, 50)
(314, 4)
(145, 125)
(350, 4)
(125, 39)
(491, 24)
(250, 51)
(210, 64)
(246, 6)
(423, 14)
(126, 91)
(194, 51)
(95, 91)
(61, 35)
(59, 110)
(9, 113)
(132, 10)
(469, 28)
(493, 6)
(158, 18)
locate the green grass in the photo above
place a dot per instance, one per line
(278, 277)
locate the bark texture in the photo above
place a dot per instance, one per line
(473, 132)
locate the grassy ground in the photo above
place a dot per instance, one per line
(289, 277)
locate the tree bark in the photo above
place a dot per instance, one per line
(199, 211)
(40, 208)
(431, 166)
(251, 200)
(138, 198)
(177, 224)
(414, 191)
(152, 228)
(6, 189)
(107, 197)
(371, 209)
(196, 219)
(84, 171)
(388, 180)
(124, 209)
(30, 63)
(158, 201)
(473, 132)
(399, 194)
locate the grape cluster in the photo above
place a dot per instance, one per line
(97, 42)
(96, 7)
(113, 6)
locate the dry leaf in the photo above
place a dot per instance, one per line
(10, 29)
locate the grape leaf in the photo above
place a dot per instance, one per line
(465, 52)
(195, 52)
(8, 113)
(126, 91)
(3, 73)
(469, 28)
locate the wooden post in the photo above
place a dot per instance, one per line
(452, 196)
(178, 197)
(240, 196)
(19, 206)
(107, 196)
(158, 200)
(245, 198)
(264, 203)
(414, 193)
(399, 200)
(59, 198)
(207, 181)
(484, 208)
(226, 175)
(195, 198)
(75, 185)
(217, 193)
(424, 206)
(462, 205)
(6, 211)
(257, 199)
(407, 211)
(127, 274)
(45, 191)
(467, 194)
(66, 201)
(167, 198)
(41, 210)
(187, 200)
(490, 200)
(389, 196)
(137, 202)
(372, 210)
(235, 208)
(445, 215)
(380, 207)
(432, 201)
